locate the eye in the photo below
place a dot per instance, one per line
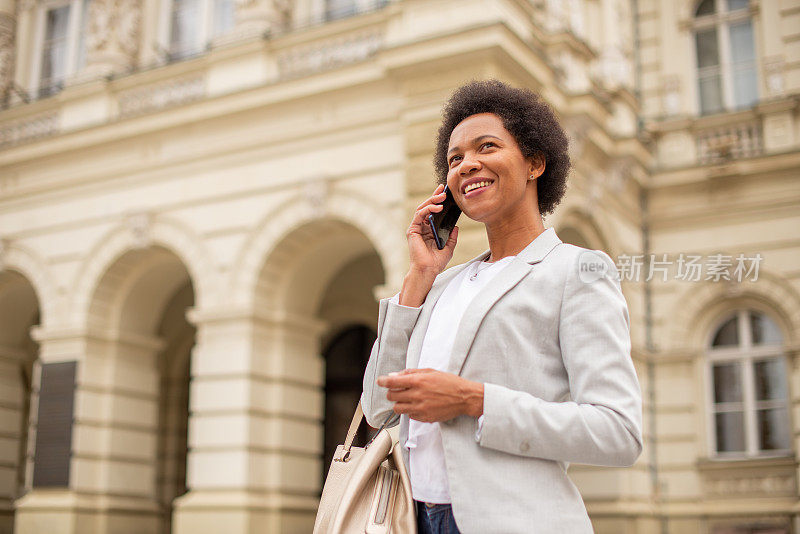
(453, 159)
(487, 143)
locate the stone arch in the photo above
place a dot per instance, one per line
(698, 309)
(584, 224)
(33, 268)
(20, 312)
(132, 300)
(131, 239)
(380, 228)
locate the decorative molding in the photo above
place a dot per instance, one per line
(749, 477)
(258, 17)
(29, 128)
(328, 54)
(155, 97)
(7, 31)
(140, 226)
(774, 76)
(316, 193)
(113, 29)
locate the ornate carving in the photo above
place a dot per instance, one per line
(255, 17)
(317, 193)
(328, 54)
(113, 38)
(29, 128)
(774, 75)
(154, 97)
(140, 225)
(7, 29)
(751, 485)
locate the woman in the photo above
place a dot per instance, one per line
(508, 367)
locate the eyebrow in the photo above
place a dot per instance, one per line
(474, 141)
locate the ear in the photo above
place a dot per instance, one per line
(537, 166)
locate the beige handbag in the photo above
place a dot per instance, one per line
(367, 490)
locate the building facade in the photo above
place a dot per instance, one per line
(202, 200)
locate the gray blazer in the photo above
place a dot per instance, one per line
(549, 338)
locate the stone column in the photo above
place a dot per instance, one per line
(13, 415)
(112, 476)
(112, 42)
(257, 17)
(255, 427)
(7, 49)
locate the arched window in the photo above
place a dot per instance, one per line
(726, 58)
(748, 393)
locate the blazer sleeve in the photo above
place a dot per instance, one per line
(601, 423)
(395, 325)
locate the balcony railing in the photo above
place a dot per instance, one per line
(728, 142)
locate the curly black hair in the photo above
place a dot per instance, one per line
(527, 117)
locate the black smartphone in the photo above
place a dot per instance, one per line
(442, 223)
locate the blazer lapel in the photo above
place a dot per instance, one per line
(415, 343)
(501, 284)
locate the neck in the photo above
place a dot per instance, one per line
(509, 236)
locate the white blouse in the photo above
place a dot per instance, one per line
(426, 454)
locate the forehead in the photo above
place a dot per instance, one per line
(475, 125)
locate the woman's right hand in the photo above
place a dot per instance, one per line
(426, 260)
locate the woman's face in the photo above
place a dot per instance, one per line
(488, 174)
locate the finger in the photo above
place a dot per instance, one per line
(395, 381)
(452, 240)
(421, 216)
(414, 370)
(399, 395)
(438, 198)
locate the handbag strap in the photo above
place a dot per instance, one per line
(356, 422)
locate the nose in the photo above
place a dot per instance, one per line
(469, 165)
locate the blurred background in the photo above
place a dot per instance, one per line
(201, 202)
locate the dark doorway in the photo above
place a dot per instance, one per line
(346, 357)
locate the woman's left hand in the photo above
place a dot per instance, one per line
(430, 396)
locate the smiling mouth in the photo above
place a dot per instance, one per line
(476, 185)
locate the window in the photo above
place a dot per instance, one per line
(749, 414)
(337, 9)
(725, 54)
(62, 48)
(193, 23)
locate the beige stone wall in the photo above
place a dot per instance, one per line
(194, 233)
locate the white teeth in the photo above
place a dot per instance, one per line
(476, 185)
